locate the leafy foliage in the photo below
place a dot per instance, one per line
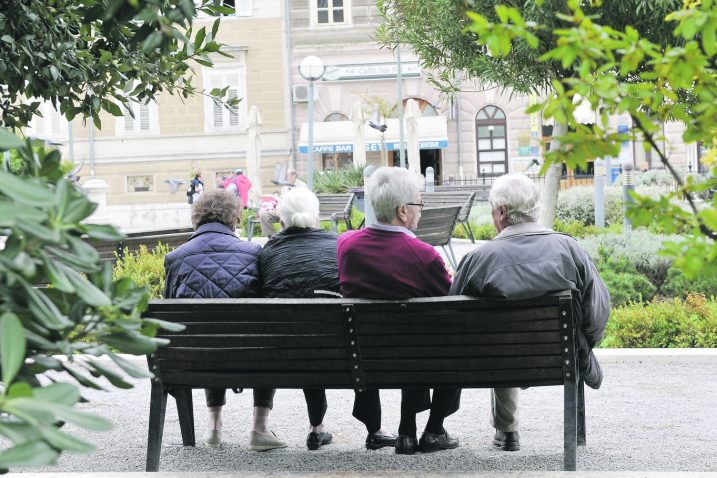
(94, 55)
(649, 60)
(45, 329)
(338, 181)
(677, 285)
(145, 268)
(691, 322)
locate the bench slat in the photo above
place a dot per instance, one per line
(464, 327)
(288, 341)
(460, 339)
(257, 380)
(461, 364)
(198, 328)
(248, 365)
(484, 351)
(219, 354)
(468, 379)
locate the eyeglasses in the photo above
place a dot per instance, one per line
(419, 204)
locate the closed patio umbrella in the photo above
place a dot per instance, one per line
(411, 119)
(359, 120)
(253, 154)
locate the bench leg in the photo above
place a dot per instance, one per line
(185, 410)
(249, 229)
(467, 227)
(335, 226)
(450, 256)
(157, 407)
(581, 413)
(349, 226)
(570, 425)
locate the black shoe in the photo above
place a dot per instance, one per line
(431, 442)
(506, 441)
(316, 439)
(406, 445)
(377, 440)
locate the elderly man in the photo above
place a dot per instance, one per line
(270, 217)
(387, 261)
(216, 264)
(528, 260)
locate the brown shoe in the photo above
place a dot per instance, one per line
(506, 441)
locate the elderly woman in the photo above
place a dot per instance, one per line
(528, 260)
(297, 262)
(387, 261)
(214, 263)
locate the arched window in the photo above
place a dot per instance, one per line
(335, 161)
(424, 106)
(491, 141)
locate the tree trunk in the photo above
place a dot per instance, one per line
(551, 186)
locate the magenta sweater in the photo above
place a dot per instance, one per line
(376, 264)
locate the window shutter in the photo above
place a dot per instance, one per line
(233, 93)
(144, 117)
(128, 120)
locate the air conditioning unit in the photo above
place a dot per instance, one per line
(301, 93)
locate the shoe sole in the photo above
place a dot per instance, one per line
(502, 446)
(378, 447)
(316, 446)
(433, 450)
(265, 447)
(212, 445)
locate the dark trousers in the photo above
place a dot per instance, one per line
(263, 397)
(367, 405)
(315, 405)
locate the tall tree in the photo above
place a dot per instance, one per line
(446, 36)
(92, 55)
(82, 55)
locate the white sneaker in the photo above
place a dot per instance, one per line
(213, 438)
(259, 441)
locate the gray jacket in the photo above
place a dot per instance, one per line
(528, 260)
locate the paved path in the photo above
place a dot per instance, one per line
(655, 412)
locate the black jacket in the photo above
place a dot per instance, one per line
(298, 261)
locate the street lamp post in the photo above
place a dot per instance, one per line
(311, 69)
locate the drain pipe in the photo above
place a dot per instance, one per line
(290, 82)
(459, 133)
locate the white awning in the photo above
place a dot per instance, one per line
(337, 136)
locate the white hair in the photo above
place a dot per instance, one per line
(389, 188)
(518, 194)
(299, 207)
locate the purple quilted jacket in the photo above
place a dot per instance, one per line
(213, 264)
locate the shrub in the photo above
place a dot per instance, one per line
(145, 268)
(655, 177)
(623, 281)
(481, 232)
(677, 285)
(675, 323)
(639, 247)
(578, 203)
(338, 181)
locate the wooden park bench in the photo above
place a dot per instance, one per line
(452, 198)
(481, 190)
(332, 207)
(112, 250)
(358, 343)
(436, 228)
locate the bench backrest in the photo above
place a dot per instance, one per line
(481, 190)
(356, 343)
(132, 242)
(330, 204)
(451, 198)
(436, 225)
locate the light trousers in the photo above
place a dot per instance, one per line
(504, 409)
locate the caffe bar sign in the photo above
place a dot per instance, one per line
(371, 71)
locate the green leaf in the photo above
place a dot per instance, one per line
(87, 291)
(201, 34)
(12, 346)
(45, 310)
(110, 375)
(78, 209)
(132, 342)
(170, 326)
(152, 41)
(130, 368)
(54, 72)
(102, 232)
(19, 389)
(56, 274)
(63, 393)
(34, 406)
(63, 441)
(24, 191)
(31, 453)
(8, 140)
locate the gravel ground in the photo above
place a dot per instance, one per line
(652, 414)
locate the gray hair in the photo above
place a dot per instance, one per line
(299, 207)
(518, 194)
(388, 188)
(216, 205)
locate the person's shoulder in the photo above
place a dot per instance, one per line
(350, 237)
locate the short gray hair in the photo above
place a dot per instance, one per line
(299, 207)
(518, 194)
(216, 205)
(388, 188)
